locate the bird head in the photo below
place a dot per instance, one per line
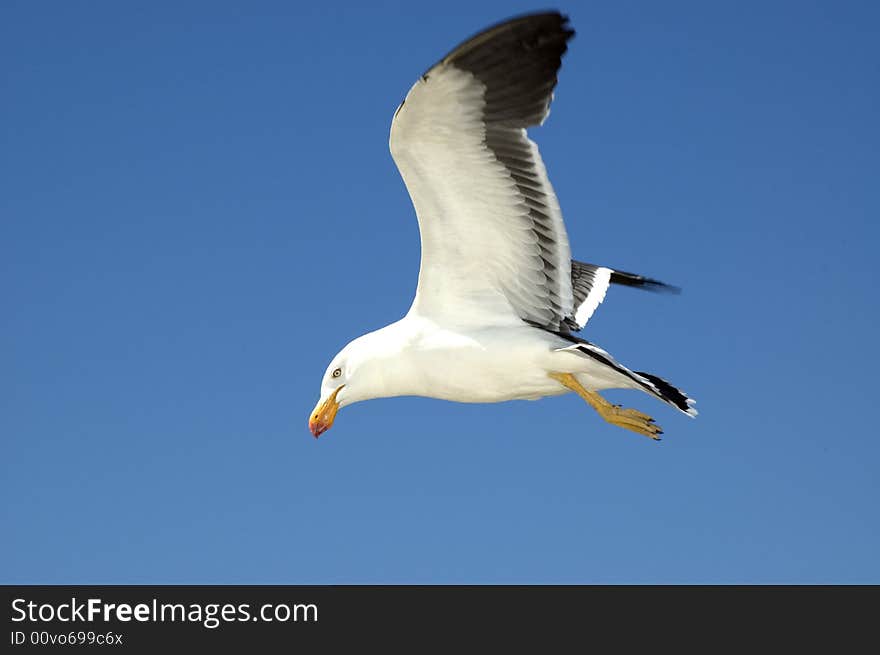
(356, 373)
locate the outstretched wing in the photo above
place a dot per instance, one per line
(590, 282)
(494, 247)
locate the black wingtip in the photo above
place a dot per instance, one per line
(641, 282)
(535, 23)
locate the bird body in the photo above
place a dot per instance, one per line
(498, 296)
(417, 356)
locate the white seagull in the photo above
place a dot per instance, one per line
(498, 295)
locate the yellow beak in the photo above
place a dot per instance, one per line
(322, 418)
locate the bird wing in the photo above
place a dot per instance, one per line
(590, 282)
(494, 246)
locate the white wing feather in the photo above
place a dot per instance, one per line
(494, 246)
(481, 257)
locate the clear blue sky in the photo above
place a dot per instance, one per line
(198, 209)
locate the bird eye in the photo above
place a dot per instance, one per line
(337, 373)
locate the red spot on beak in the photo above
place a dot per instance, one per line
(317, 427)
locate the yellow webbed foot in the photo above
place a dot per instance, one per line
(630, 419)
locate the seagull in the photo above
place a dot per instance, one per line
(499, 297)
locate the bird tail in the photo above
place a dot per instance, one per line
(668, 393)
(654, 385)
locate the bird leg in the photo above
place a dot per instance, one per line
(631, 419)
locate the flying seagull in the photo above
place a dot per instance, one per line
(498, 296)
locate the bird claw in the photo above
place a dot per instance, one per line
(633, 420)
(630, 419)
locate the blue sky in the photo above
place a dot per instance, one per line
(198, 209)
